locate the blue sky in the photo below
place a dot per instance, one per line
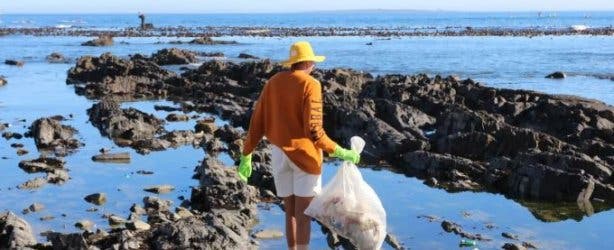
(253, 6)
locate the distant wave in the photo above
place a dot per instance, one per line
(63, 26)
(78, 21)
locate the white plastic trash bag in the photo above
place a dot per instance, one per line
(350, 208)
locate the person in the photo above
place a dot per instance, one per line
(142, 17)
(289, 112)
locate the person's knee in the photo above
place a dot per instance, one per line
(301, 204)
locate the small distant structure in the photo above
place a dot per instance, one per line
(144, 26)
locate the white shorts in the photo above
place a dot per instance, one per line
(290, 179)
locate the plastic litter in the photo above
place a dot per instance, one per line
(349, 207)
(468, 243)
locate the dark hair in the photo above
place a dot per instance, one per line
(301, 65)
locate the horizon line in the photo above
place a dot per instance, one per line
(307, 11)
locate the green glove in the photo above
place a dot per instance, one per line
(346, 154)
(245, 167)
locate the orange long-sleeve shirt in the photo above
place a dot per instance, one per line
(289, 112)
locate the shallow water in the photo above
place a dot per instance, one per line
(38, 89)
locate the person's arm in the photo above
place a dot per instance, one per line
(313, 116)
(256, 126)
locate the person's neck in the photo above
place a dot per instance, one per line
(304, 71)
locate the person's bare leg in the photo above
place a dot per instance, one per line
(303, 222)
(289, 206)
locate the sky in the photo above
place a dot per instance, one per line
(264, 6)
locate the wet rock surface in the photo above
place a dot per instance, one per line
(13, 62)
(96, 198)
(223, 212)
(3, 82)
(15, 233)
(557, 75)
(206, 40)
(458, 134)
(103, 40)
(174, 56)
(112, 157)
(11, 135)
(452, 227)
(49, 133)
(125, 126)
(138, 77)
(53, 167)
(56, 57)
(247, 56)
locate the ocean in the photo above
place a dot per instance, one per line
(38, 89)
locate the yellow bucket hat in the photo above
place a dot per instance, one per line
(300, 52)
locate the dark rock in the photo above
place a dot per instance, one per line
(115, 221)
(47, 218)
(16, 145)
(49, 133)
(166, 108)
(210, 232)
(211, 54)
(138, 225)
(393, 242)
(56, 57)
(12, 135)
(180, 137)
(138, 77)
(14, 62)
(220, 188)
(67, 241)
(174, 117)
(15, 233)
(123, 124)
(556, 75)
(461, 133)
(3, 82)
(96, 198)
(247, 56)
(509, 236)
(452, 227)
(35, 183)
(528, 245)
(115, 157)
(452, 172)
(513, 246)
(42, 164)
(209, 41)
(155, 203)
(85, 225)
(22, 151)
(104, 40)
(160, 189)
(35, 207)
(144, 172)
(206, 126)
(173, 56)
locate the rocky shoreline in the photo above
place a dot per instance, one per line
(264, 31)
(454, 134)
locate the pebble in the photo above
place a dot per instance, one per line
(268, 234)
(138, 225)
(160, 189)
(96, 198)
(84, 225)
